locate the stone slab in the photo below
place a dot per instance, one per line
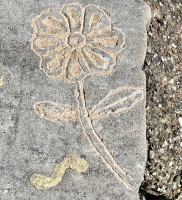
(72, 99)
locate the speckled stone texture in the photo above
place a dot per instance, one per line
(163, 70)
(88, 100)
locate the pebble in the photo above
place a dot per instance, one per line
(151, 154)
(177, 179)
(180, 121)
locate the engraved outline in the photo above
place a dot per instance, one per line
(113, 54)
(85, 116)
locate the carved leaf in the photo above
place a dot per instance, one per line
(117, 101)
(55, 112)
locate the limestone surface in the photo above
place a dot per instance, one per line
(72, 99)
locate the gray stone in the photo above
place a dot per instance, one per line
(73, 128)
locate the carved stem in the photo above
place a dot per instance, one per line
(95, 140)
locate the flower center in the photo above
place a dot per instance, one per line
(77, 40)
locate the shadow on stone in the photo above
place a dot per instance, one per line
(146, 196)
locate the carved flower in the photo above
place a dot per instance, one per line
(76, 41)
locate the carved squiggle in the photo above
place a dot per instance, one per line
(71, 161)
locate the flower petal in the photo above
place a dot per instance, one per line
(51, 21)
(96, 21)
(44, 42)
(55, 65)
(99, 61)
(45, 45)
(75, 14)
(76, 69)
(111, 41)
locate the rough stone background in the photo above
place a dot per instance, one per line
(163, 68)
(30, 144)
